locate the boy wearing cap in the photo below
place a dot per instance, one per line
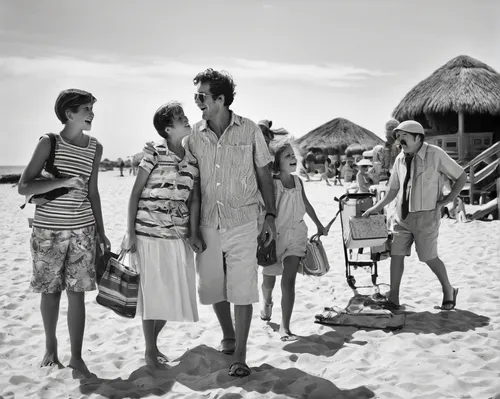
(416, 184)
(63, 241)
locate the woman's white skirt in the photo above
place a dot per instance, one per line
(167, 289)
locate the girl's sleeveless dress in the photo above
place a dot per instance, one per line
(290, 226)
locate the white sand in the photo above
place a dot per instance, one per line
(437, 355)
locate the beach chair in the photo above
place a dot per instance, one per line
(364, 239)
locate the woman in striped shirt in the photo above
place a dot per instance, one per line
(163, 210)
(63, 240)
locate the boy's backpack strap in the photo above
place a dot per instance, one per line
(49, 163)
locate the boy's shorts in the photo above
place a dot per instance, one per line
(63, 259)
(227, 269)
(421, 227)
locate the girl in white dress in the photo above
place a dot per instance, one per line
(291, 205)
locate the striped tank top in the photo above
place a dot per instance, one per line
(72, 210)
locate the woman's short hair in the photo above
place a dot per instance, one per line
(166, 115)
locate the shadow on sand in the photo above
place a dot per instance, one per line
(203, 368)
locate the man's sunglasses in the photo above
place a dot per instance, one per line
(201, 97)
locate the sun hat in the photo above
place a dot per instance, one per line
(266, 122)
(364, 162)
(411, 127)
(391, 124)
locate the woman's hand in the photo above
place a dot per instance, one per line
(129, 242)
(197, 243)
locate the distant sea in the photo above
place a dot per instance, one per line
(11, 169)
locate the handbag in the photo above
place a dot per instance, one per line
(266, 256)
(119, 286)
(315, 262)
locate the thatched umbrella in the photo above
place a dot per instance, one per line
(335, 136)
(463, 85)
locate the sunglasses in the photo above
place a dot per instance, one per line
(201, 97)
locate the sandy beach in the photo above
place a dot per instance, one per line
(437, 354)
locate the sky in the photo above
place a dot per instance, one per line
(299, 63)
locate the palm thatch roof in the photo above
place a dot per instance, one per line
(462, 84)
(335, 136)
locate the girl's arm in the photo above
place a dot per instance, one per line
(195, 237)
(133, 203)
(312, 214)
(95, 198)
(28, 183)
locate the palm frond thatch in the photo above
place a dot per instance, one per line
(336, 135)
(462, 84)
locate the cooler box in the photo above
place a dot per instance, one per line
(366, 232)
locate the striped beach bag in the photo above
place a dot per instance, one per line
(119, 286)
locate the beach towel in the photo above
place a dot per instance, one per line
(362, 312)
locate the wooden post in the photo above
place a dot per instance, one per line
(471, 187)
(498, 197)
(461, 139)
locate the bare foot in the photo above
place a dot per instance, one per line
(79, 365)
(287, 335)
(50, 360)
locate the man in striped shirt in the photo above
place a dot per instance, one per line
(232, 157)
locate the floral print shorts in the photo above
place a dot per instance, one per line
(63, 259)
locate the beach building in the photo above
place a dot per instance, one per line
(459, 107)
(338, 135)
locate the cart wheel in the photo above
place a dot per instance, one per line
(351, 281)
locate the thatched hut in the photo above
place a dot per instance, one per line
(458, 105)
(335, 136)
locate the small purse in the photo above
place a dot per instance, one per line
(266, 256)
(316, 262)
(119, 286)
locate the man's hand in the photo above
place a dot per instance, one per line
(268, 232)
(443, 202)
(149, 148)
(197, 243)
(370, 211)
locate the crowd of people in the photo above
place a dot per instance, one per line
(203, 197)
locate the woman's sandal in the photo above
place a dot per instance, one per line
(239, 369)
(453, 303)
(266, 312)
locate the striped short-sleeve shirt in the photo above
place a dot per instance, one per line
(228, 180)
(72, 210)
(163, 210)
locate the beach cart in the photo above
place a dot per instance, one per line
(364, 238)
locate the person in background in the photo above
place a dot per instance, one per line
(362, 178)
